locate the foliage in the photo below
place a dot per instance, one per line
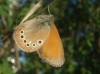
(78, 26)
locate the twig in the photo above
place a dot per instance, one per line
(4, 22)
(17, 57)
(4, 38)
(2, 49)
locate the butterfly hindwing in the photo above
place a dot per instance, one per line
(52, 50)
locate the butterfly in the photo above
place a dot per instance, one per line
(40, 34)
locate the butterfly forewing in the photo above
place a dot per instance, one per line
(31, 35)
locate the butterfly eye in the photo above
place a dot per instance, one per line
(21, 31)
(22, 36)
(39, 42)
(33, 44)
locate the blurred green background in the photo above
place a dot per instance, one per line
(79, 29)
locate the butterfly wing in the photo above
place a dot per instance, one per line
(31, 35)
(52, 50)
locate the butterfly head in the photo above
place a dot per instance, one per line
(47, 18)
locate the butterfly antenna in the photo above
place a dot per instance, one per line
(46, 7)
(60, 13)
(49, 11)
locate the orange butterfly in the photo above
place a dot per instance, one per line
(41, 35)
